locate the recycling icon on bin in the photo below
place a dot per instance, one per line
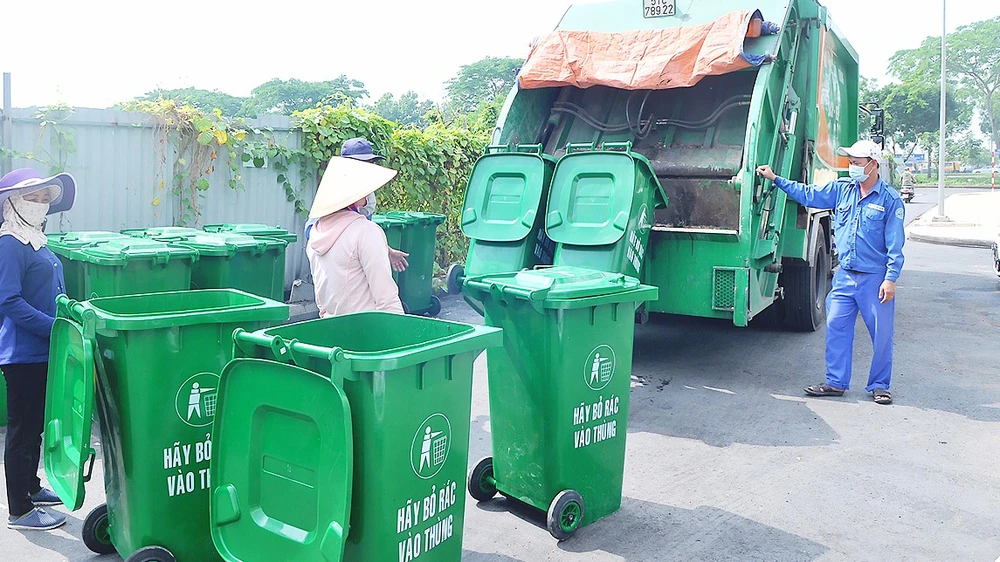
(430, 447)
(196, 398)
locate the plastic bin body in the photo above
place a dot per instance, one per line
(64, 244)
(238, 261)
(416, 234)
(504, 210)
(601, 209)
(559, 387)
(408, 382)
(254, 229)
(126, 266)
(158, 359)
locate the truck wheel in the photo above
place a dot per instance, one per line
(151, 554)
(565, 514)
(95, 531)
(482, 485)
(805, 291)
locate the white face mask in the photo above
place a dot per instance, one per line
(857, 172)
(368, 209)
(30, 212)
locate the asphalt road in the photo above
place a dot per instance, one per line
(727, 460)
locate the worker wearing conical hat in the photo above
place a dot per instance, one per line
(348, 255)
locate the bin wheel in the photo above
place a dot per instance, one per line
(151, 554)
(482, 485)
(455, 274)
(96, 533)
(435, 307)
(406, 309)
(565, 514)
(641, 316)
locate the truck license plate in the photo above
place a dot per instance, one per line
(658, 8)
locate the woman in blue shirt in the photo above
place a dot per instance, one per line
(31, 278)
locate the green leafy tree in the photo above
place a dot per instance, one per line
(481, 82)
(288, 96)
(914, 108)
(968, 149)
(973, 57)
(206, 100)
(407, 110)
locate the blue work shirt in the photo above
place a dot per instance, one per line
(868, 231)
(30, 281)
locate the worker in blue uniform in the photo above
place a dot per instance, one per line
(868, 232)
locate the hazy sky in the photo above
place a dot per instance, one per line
(96, 53)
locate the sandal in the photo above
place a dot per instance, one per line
(824, 390)
(882, 396)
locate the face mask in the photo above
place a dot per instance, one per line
(368, 209)
(30, 212)
(857, 172)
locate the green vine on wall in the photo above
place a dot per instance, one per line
(62, 139)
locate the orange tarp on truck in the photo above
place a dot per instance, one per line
(649, 59)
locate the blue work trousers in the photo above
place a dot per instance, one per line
(855, 292)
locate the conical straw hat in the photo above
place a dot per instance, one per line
(345, 182)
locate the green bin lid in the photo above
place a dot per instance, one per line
(563, 287)
(254, 229)
(301, 458)
(226, 243)
(120, 251)
(63, 243)
(161, 232)
(503, 196)
(414, 217)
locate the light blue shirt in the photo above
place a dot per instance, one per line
(868, 230)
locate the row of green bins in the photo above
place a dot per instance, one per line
(158, 359)
(416, 234)
(346, 438)
(504, 212)
(559, 390)
(229, 260)
(254, 229)
(601, 207)
(106, 264)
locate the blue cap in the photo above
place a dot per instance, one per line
(359, 149)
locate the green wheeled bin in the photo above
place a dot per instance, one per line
(416, 234)
(253, 229)
(156, 359)
(559, 390)
(123, 265)
(237, 261)
(346, 438)
(600, 208)
(503, 214)
(65, 244)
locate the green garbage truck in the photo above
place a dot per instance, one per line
(703, 91)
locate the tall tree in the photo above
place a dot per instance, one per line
(407, 110)
(206, 100)
(914, 108)
(973, 55)
(288, 96)
(481, 83)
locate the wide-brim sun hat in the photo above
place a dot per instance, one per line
(27, 179)
(345, 182)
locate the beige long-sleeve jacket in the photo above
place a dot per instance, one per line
(349, 259)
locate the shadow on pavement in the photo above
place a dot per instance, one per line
(473, 556)
(644, 531)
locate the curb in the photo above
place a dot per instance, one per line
(946, 241)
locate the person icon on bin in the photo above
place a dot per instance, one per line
(595, 372)
(194, 401)
(425, 450)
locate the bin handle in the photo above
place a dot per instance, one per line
(161, 257)
(625, 146)
(530, 148)
(491, 148)
(578, 146)
(91, 457)
(293, 351)
(76, 311)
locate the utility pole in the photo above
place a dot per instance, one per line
(941, 134)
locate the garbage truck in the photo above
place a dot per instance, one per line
(699, 92)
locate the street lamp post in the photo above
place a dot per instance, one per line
(941, 134)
